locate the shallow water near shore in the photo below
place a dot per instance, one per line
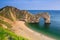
(51, 30)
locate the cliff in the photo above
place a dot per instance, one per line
(14, 14)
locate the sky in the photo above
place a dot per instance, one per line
(32, 4)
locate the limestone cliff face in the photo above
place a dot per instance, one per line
(14, 14)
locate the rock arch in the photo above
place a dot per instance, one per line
(36, 18)
(45, 16)
(31, 18)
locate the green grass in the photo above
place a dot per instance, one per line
(6, 34)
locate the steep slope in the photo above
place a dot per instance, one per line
(7, 19)
(8, 12)
(14, 14)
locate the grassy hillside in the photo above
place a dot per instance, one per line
(6, 34)
(7, 16)
(14, 14)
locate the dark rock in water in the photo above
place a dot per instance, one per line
(14, 14)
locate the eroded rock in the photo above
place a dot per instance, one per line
(14, 14)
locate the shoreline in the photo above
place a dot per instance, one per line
(21, 29)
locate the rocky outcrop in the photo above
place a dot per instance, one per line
(36, 18)
(14, 14)
(45, 16)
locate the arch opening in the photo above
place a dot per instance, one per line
(41, 21)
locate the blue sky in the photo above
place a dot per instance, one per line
(32, 4)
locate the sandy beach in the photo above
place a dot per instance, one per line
(21, 29)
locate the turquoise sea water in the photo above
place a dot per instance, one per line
(51, 30)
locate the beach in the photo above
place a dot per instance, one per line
(21, 29)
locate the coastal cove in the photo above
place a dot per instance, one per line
(32, 24)
(52, 30)
(29, 19)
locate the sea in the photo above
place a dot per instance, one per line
(51, 30)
